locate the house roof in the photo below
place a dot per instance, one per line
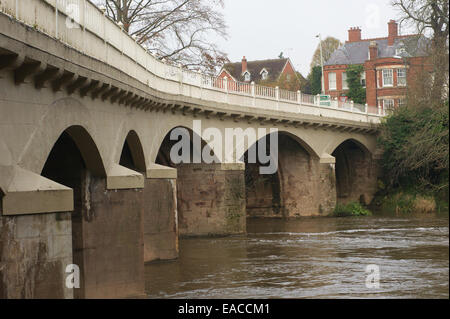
(273, 66)
(358, 52)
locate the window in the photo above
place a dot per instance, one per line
(363, 79)
(401, 102)
(344, 81)
(288, 77)
(247, 76)
(332, 81)
(401, 77)
(264, 75)
(400, 51)
(387, 77)
(388, 104)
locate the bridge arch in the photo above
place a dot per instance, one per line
(132, 155)
(61, 115)
(77, 136)
(74, 161)
(244, 145)
(367, 144)
(354, 172)
(184, 132)
(290, 191)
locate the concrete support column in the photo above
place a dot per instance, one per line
(326, 185)
(108, 241)
(160, 214)
(211, 199)
(308, 188)
(34, 252)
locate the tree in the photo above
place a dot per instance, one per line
(329, 45)
(431, 15)
(304, 83)
(415, 137)
(315, 80)
(176, 30)
(356, 92)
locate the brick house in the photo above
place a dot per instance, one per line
(390, 65)
(264, 72)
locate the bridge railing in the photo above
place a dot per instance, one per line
(83, 26)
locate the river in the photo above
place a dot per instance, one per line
(312, 258)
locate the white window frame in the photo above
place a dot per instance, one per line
(344, 87)
(363, 78)
(403, 77)
(264, 75)
(400, 51)
(332, 88)
(391, 71)
(247, 77)
(401, 102)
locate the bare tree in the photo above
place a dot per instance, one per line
(431, 16)
(329, 45)
(175, 30)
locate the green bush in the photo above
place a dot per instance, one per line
(356, 92)
(415, 141)
(351, 209)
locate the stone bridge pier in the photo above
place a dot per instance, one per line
(304, 184)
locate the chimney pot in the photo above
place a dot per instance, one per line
(354, 34)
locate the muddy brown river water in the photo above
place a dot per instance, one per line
(312, 258)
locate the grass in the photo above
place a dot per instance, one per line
(351, 209)
(406, 202)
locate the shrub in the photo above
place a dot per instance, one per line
(406, 203)
(351, 209)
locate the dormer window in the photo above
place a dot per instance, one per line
(400, 51)
(264, 74)
(247, 76)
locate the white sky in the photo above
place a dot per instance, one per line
(261, 29)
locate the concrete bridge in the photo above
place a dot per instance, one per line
(85, 172)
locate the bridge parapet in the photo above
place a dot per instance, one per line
(83, 26)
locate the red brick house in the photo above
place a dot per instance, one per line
(261, 72)
(390, 65)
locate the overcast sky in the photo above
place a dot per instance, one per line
(261, 29)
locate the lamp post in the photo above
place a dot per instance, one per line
(321, 63)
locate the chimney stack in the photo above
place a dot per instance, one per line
(373, 50)
(392, 31)
(354, 34)
(244, 64)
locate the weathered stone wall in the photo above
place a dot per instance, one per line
(307, 187)
(211, 200)
(160, 220)
(302, 187)
(263, 197)
(356, 174)
(34, 253)
(112, 249)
